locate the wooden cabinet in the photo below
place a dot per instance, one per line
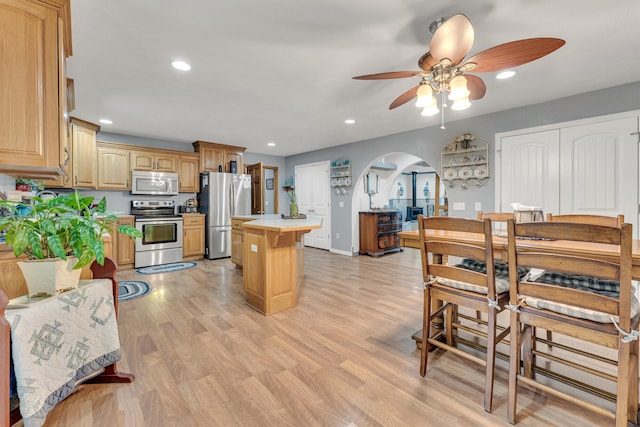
(193, 237)
(214, 157)
(84, 153)
(124, 247)
(189, 173)
(36, 40)
(237, 240)
(113, 167)
(153, 160)
(379, 232)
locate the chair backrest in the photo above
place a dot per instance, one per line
(609, 221)
(588, 260)
(462, 242)
(495, 216)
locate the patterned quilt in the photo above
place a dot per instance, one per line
(58, 342)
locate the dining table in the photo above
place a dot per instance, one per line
(411, 239)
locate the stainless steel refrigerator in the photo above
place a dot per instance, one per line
(222, 195)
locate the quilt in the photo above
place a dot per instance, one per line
(59, 341)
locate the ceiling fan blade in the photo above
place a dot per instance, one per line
(514, 53)
(404, 98)
(476, 86)
(389, 75)
(426, 62)
(453, 39)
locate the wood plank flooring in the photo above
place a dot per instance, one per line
(343, 357)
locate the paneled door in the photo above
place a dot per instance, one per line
(312, 191)
(598, 170)
(530, 170)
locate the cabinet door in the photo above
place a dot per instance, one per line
(113, 168)
(29, 103)
(211, 158)
(85, 156)
(530, 166)
(188, 171)
(126, 249)
(236, 246)
(142, 161)
(233, 155)
(166, 162)
(193, 242)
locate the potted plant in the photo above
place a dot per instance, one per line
(24, 184)
(58, 235)
(293, 204)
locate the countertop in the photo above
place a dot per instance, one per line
(275, 223)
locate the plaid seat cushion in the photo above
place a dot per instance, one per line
(610, 288)
(502, 285)
(578, 312)
(500, 268)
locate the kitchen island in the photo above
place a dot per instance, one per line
(273, 260)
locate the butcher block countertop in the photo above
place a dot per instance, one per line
(274, 222)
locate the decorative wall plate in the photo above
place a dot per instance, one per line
(480, 172)
(334, 182)
(450, 173)
(465, 173)
(347, 181)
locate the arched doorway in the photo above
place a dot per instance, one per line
(390, 168)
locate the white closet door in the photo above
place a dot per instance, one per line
(530, 170)
(599, 169)
(312, 190)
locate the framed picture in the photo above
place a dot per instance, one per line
(269, 183)
(233, 166)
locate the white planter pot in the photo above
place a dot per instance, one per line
(50, 276)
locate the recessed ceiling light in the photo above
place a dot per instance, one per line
(506, 74)
(271, 144)
(106, 121)
(350, 121)
(181, 65)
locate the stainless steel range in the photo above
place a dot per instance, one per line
(161, 229)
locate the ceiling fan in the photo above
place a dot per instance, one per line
(444, 71)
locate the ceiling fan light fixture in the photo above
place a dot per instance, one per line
(430, 110)
(458, 88)
(461, 104)
(425, 96)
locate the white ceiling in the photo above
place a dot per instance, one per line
(280, 70)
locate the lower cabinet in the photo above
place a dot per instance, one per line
(379, 232)
(193, 236)
(124, 247)
(237, 240)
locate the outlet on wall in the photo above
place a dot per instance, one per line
(341, 204)
(458, 206)
(478, 206)
(337, 235)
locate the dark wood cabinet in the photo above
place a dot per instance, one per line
(379, 232)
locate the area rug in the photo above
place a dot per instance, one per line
(131, 289)
(166, 268)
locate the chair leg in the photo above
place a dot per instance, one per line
(514, 365)
(528, 345)
(624, 382)
(631, 376)
(491, 359)
(426, 331)
(450, 314)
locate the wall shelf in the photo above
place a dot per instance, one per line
(341, 177)
(465, 166)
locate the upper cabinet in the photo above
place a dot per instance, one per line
(189, 173)
(220, 158)
(84, 153)
(113, 167)
(153, 160)
(36, 39)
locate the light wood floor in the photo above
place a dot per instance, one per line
(343, 357)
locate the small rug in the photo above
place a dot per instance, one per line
(166, 268)
(131, 289)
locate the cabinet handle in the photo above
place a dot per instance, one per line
(76, 183)
(127, 183)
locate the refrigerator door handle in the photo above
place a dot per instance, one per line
(232, 199)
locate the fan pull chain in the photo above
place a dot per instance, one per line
(444, 105)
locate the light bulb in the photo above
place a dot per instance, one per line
(458, 88)
(430, 110)
(425, 93)
(461, 104)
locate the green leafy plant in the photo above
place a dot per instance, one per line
(292, 196)
(32, 183)
(59, 227)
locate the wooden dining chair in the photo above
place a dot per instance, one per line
(608, 221)
(447, 287)
(495, 216)
(597, 306)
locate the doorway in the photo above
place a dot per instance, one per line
(312, 191)
(264, 188)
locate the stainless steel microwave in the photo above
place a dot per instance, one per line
(154, 183)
